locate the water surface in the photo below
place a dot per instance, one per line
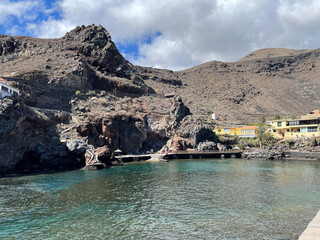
(190, 199)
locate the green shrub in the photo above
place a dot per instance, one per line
(266, 138)
(235, 137)
(278, 117)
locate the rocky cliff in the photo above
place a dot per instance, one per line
(30, 140)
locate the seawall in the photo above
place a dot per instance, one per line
(312, 232)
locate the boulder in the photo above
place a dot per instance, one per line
(77, 147)
(207, 145)
(95, 166)
(221, 147)
(179, 143)
(103, 153)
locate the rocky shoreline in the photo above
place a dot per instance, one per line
(276, 155)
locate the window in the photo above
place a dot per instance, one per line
(5, 89)
(293, 123)
(303, 129)
(243, 131)
(312, 129)
(274, 131)
(247, 131)
(252, 131)
(279, 124)
(227, 130)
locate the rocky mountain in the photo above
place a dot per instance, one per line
(242, 92)
(263, 83)
(80, 98)
(84, 58)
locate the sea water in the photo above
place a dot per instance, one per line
(189, 199)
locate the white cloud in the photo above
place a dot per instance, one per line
(21, 10)
(193, 31)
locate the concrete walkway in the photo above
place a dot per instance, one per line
(312, 231)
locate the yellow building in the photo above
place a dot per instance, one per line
(249, 131)
(306, 126)
(228, 131)
(241, 131)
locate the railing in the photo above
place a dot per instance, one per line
(205, 151)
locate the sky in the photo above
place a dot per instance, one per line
(173, 34)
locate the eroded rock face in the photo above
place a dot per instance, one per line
(17, 128)
(125, 132)
(29, 140)
(191, 133)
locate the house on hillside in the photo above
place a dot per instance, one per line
(6, 89)
(240, 131)
(249, 131)
(228, 130)
(305, 126)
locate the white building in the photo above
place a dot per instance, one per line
(6, 89)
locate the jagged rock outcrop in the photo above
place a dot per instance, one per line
(178, 110)
(85, 57)
(94, 42)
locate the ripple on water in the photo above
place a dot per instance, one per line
(203, 199)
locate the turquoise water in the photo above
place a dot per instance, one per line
(202, 199)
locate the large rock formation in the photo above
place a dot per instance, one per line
(85, 57)
(191, 133)
(30, 141)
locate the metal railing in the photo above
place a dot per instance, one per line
(205, 151)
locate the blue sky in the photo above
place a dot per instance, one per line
(174, 34)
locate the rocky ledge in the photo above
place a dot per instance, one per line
(301, 148)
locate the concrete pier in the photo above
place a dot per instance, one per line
(312, 231)
(132, 158)
(204, 154)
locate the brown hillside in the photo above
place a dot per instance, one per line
(264, 83)
(273, 53)
(244, 91)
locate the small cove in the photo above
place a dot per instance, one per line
(189, 199)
